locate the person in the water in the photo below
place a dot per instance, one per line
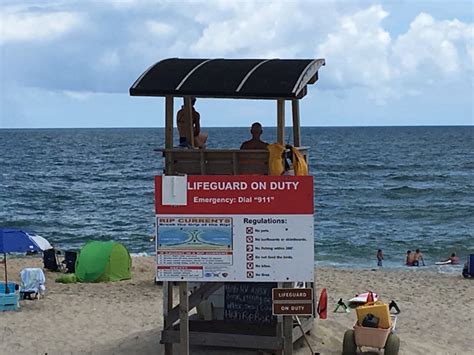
(379, 257)
(410, 258)
(418, 258)
(453, 259)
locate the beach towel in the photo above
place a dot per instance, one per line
(67, 279)
(32, 280)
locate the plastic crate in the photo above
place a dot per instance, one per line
(9, 302)
(378, 309)
(12, 287)
(373, 337)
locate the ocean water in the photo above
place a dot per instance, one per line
(394, 188)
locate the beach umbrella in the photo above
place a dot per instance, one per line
(41, 242)
(15, 241)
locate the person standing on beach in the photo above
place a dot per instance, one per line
(379, 257)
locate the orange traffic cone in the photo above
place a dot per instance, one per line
(323, 305)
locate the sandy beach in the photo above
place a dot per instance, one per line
(125, 317)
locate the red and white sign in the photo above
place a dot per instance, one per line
(242, 194)
(237, 228)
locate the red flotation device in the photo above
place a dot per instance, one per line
(323, 304)
(370, 297)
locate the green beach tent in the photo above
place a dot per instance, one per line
(102, 262)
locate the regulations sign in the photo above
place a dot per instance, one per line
(236, 228)
(292, 301)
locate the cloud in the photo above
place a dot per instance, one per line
(361, 53)
(19, 26)
(258, 29)
(358, 51)
(159, 29)
(78, 95)
(109, 60)
(83, 46)
(436, 44)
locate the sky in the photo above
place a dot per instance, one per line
(68, 63)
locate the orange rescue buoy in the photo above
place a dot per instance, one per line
(323, 304)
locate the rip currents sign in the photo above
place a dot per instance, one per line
(236, 228)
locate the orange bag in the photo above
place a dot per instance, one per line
(299, 164)
(276, 164)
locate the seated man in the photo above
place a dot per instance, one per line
(255, 143)
(200, 138)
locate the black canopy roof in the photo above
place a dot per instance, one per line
(229, 78)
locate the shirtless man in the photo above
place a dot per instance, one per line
(255, 143)
(200, 138)
(418, 258)
(410, 258)
(454, 259)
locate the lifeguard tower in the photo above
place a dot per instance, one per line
(263, 79)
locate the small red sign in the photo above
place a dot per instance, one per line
(242, 194)
(289, 309)
(292, 294)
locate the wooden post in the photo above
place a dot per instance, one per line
(281, 121)
(169, 122)
(295, 108)
(279, 329)
(167, 307)
(183, 319)
(188, 110)
(287, 329)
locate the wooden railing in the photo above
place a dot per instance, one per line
(218, 161)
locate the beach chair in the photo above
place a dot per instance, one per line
(70, 258)
(32, 283)
(50, 260)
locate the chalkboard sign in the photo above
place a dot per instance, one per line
(249, 301)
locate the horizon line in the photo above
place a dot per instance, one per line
(155, 127)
